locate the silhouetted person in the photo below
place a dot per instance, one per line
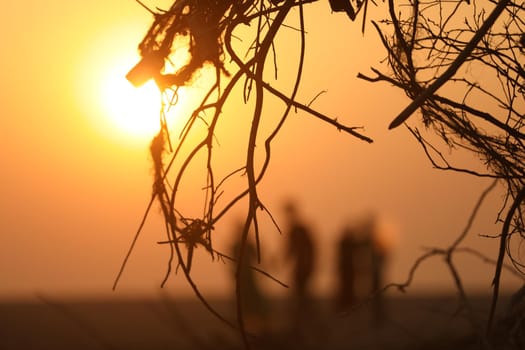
(354, 266)
(361, 263)
(377, 252)
(300, 251)
(254, 305)
(346, 269)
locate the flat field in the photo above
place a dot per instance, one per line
(407, 322)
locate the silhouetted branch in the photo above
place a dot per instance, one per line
(501, 255)
(428, 47)
(206, 29)
(452, 69)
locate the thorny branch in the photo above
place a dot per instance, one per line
(447, 254)
(213, 32)
(476, 62)
(431, 46)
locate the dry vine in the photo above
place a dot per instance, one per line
(433, 49)
(208, 30)
(462, 64)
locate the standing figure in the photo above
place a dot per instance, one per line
(362, 256)
(301, 252)
(346, 269)
(253, 303)
(305, 330)
(380, 251)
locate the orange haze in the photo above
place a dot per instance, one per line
(74, 186)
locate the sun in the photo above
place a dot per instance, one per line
(132, 111)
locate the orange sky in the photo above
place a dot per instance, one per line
(73, 188)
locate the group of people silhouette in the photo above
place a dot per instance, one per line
(359, 268)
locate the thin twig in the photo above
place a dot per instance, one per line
(452, 69)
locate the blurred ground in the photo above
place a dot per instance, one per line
(409, 323)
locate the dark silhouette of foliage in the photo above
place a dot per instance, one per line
(461, 62)
(207, 30)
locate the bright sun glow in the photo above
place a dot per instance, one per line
(133, 111)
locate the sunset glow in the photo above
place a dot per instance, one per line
(132, 111)
(78, 173)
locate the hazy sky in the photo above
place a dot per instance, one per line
(74, 186)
